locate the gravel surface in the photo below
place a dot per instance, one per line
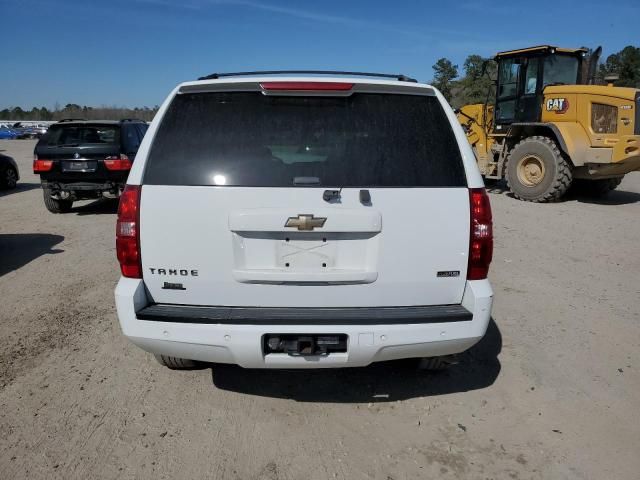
(552, 392)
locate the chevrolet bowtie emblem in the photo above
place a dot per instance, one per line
(305, 222)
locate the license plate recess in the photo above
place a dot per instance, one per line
(304, 344)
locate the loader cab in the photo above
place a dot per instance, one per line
(523, 75)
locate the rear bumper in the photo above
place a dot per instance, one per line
(607, 170)
(304, 316)
(85, 186)
(392, 333)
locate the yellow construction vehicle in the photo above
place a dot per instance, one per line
(550, 126)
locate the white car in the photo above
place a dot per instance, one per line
(304, 222)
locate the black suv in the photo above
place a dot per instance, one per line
(85, 159)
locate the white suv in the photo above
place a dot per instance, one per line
(304, 222)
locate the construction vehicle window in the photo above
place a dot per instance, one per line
(509, 71)
(506, 110)
(531, 77)
(560, 70)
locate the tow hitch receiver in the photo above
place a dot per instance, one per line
(304, 344)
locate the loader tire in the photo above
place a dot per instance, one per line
(537, 171)
(176, 363)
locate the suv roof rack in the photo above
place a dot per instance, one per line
(123, 120)
(72, 120)
(399, 77)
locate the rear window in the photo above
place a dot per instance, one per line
(59, 135)
(251, 139)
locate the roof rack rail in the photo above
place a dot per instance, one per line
(399, 77)
(72, 120)
(123, 120)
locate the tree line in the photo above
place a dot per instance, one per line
(72, 110)
(474, 87)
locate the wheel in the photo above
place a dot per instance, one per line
(54, 205)
(598, 188)
(9, 178)
(175, 363)
(537, 171)
(436, 364)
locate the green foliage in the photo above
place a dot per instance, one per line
(477, 85)
(472, 88)
(626, 64)
(444, 74)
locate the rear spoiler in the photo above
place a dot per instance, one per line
(264, 85)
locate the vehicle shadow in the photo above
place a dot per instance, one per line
(97, 207)
(21, 187)
(16, 250)
(380, 382)
(615, 197)
(498, 187)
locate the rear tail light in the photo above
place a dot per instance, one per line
(307, 86)
(118, 163)
(128, 232)
(40, 166)
(481, 236)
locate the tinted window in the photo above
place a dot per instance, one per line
(251, 139)
(82, 134)
(142, 129)
(506, 110)
(531, 78)
(131, 138)
(509, 72)
(560, 69)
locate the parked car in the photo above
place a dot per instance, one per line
(20, 130)
(40, 130)
(9, 173)
(29, 131)
(8, 133)
(79, 160)
(304, 222)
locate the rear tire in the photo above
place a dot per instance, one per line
(175, 363)
(537, 171)
(54, 205)
(598, 188)
(9, 178)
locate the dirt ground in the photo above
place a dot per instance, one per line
(552, 392)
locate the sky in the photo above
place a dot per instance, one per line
(133, 52)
